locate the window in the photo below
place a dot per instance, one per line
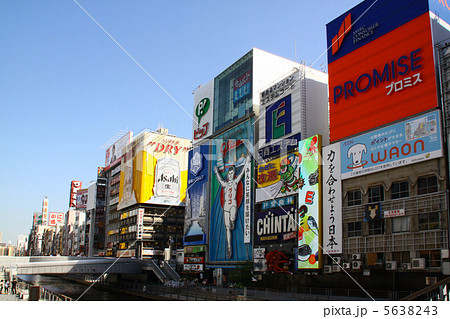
(354, 229)
(376, 227)
(400, 224)
(432, 257)
(426, 185)
(376, 194)
(429, 221)
(400, 190)
(354, 198)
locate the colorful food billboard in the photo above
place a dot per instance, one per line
(310, 204)
(154, 170)
(381, 66)
(197, 197)
(411, 141)
(231, 209)
(278, 178)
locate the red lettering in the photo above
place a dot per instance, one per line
(309, 198)
(403, 149)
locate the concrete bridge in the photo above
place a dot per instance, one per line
(84, 265)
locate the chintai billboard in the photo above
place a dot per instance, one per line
(231, 209)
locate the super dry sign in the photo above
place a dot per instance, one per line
(385, 78)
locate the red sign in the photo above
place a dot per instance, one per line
(74, 187)
(386, 80)
(194, 260)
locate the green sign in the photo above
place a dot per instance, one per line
(202, 109)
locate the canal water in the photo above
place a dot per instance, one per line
(75, 290)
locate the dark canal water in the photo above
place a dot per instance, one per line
(74, 290)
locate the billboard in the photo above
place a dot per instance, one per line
(74, 187)
(55, 218)
(197, 197)
(82, 198)
(203, 112)
(231, 209)
(407, 142)
(310, 204)
(278, 178)
(115, 151)
(44, 211)
(332, 199)
(278, 102)
(277, 224)
(375, 78)
(154, 170)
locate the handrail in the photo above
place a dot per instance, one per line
(426, 290)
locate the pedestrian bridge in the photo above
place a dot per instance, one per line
(84, 265)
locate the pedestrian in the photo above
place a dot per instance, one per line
(1, 287)
(6, 287)
(13, 287)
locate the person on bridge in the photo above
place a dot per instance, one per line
(1, 287)
(13, 286)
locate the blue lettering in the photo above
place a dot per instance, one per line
(384, 76)
(415, 59)
(402, 65)
(358, 82)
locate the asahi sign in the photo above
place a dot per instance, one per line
(203, 112)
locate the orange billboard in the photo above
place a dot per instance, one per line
(387, 79)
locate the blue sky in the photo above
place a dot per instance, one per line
(66, 88)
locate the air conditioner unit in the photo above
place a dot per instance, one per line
(356, 257)
(418, 263)
(391, 265)
(328, 269)
(347, 265)
(337, 260)
(406, 266)
(356, 264)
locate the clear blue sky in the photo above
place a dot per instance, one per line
(66, 88)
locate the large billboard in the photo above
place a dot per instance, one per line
(231, 209)
(310, 204)
(82, 198)
(74, 187)
(197, 197)
(55, 218)
(278, 178)
(154, 170)
(332, 199)
(381, 66)
(115, 151)
(276, 224)
(411, 141)
(281, 107)
(203, 112)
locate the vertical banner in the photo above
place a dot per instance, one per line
(140, 223)
(332, 199)
(310, 204)
(231, 208)
(197, 197)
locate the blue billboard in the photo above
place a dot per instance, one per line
(407, 142)
(197, 197)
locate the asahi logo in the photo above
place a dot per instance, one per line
(165, 178)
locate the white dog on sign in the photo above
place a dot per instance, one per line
(356, 154)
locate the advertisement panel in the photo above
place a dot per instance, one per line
(277, 224)
(230, 213)
(278, 178)
(154, 170)
(115, 151)
(55, 218)
(375, 78)
(197, 197)
(278, 102)
(74, 187)
(82, 198)
(310, 204)
(203, 112)
(332, 199)
(411, 141)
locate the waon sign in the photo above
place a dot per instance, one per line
(382, 69)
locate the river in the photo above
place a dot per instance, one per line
(75, 290)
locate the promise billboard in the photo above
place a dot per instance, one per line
(381, 66)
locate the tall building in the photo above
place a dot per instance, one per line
(388, 127)
(255, 111)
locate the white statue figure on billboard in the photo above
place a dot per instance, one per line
(230, 208)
